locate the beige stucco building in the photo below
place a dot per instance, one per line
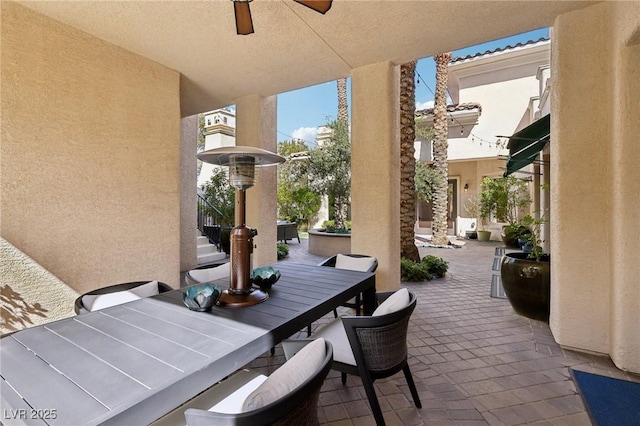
(219, 130)
(493, 94)
(96, 195)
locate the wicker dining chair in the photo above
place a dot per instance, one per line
(298, 407)
(372, 347)
(80, 304)
(354, 303)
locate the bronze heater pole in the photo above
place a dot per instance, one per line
(240, 292)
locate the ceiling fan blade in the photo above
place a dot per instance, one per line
(244, 24)
(321, 6)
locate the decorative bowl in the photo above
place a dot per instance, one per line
(201, 297)
(265, 277)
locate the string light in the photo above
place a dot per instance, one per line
(297, 139)
(499, 143)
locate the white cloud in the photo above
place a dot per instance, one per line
(307, 134)
(424, 105)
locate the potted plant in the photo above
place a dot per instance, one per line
(526, 276)
(472, 208)
(484, 213)
(524, 241)
(506, 199)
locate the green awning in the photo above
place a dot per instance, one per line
(525, 145)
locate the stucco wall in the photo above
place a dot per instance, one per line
(188, 199)
(471, 173)
(594, 182)
(502, 113)
(90, 155)
(375, 171)
(256, 126)
(503, 84)
(625, 166)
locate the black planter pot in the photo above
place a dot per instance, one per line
(526, 282)
(510, 237)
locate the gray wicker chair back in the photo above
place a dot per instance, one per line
(331, 262)
(78, 306)
(379, 345)
(384, 347)
(300, 407)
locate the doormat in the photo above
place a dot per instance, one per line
(609, 401)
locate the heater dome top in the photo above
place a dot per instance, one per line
(222, 156)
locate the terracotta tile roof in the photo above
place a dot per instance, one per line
(500, 49)
(452, 108)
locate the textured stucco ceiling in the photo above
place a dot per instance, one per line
(292, 46)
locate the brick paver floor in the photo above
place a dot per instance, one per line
(474, 360)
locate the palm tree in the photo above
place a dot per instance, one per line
(408, 247)
(342, 196)
(343, 112)
(440, 144)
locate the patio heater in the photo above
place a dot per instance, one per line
(242, 161)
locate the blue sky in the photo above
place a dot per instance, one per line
(301, 111)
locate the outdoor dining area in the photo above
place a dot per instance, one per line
(144, 353)
(153, 360)
(100, 119)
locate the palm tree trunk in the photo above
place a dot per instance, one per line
(341, 207)
(341, 204)
(408, 247)
(343, 111)
(440, 145)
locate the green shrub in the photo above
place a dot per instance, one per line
(283, 250)
(430, 267)
(331, 225)
(412, 271)
(436, 266)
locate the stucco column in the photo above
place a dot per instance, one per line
(375, 169)
(188, 168)
(594, 182)
(625, 180)
(580, 189)
(256, 126)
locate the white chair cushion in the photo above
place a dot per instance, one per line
(354, 263)
(146, 290)
(335, 333)
(101, 301)
(398, 300)
(285, 379)
(232, 404)
(210, 274)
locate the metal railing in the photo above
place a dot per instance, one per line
(209, 221)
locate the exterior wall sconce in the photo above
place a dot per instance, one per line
(241, 161)
(466, 187)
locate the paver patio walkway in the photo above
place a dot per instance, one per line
(475, 361)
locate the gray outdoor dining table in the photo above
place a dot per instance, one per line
(130, 364)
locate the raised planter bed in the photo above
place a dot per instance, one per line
(328, 244)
